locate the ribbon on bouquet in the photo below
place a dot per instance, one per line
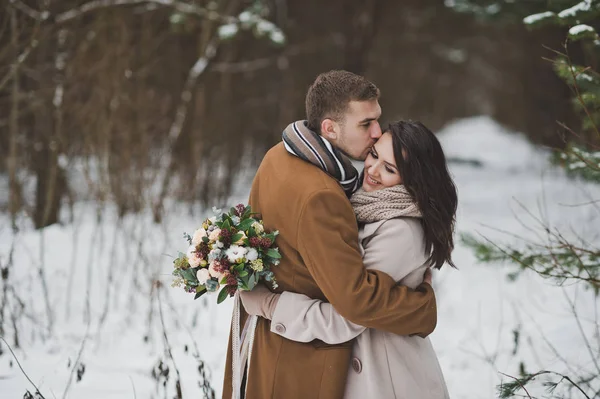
(241, 346)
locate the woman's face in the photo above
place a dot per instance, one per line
(380, 166)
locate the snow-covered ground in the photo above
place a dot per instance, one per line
(103, 310)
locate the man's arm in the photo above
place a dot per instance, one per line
(327, 242)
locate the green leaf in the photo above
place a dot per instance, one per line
(205, 240)
(236, 237)
(239, 267)
(247, 212)
(251, 232)
(273, 253)
(252, 281)
(226, 224)
(244, 280)
(245, 224)
(189, 275)
(243, 273)
(200, 293)
(222, 295)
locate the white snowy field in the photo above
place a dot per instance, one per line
(100, 307)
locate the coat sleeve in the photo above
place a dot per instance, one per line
(307, 319)
(327, 242)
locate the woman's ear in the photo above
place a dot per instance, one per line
(329, 129)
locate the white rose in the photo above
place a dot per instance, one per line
(198, 236)
(193, 258)
(214, 235)
(202, 275)
(252, 254)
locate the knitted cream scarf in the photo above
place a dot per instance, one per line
(387, 203)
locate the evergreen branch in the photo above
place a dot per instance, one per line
(518, 382)
(577, 91)
(509, 389)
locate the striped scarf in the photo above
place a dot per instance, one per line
(302, 142)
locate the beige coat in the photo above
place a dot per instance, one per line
(318, 239)
(384, 365)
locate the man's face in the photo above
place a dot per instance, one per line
(360, 129)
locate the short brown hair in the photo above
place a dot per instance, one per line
(331, 93)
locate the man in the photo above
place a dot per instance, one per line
(302, 189)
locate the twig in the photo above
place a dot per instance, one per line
(580, 204)
(580, 327)
(87, 329)
(132, 387)
(95, 5)
(23, 371)
(166, 341)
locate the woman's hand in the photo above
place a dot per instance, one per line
(260, 301)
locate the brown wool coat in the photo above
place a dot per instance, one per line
(321, 259)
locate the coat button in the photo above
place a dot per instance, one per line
(356, 365)
(280, 328)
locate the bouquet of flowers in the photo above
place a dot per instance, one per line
(229, 251)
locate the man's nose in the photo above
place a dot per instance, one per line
(375, 131)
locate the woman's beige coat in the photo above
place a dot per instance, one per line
(384, 365)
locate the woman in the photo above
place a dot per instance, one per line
(406, 211)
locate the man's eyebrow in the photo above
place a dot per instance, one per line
(368, 120)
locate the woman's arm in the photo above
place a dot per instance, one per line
(300, 318)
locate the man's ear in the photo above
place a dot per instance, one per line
(329, 129)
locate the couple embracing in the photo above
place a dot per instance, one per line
(354, 306)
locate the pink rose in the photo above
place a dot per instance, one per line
(198, 236)
(214, 235)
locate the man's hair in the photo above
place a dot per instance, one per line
(330, 94)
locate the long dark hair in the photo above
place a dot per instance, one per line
(422, 165)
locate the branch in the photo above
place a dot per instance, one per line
(77, 360)
(185, 8)
(177, 126)
(37, 391)
(30, 12)
(166, 340)
(518, 382)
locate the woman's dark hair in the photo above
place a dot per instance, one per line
(422, 165)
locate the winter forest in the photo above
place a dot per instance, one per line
(124, 122)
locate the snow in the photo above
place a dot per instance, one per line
(577, 29)
(531, 19)
(100, 267)
(585, 5)
(228, 31)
